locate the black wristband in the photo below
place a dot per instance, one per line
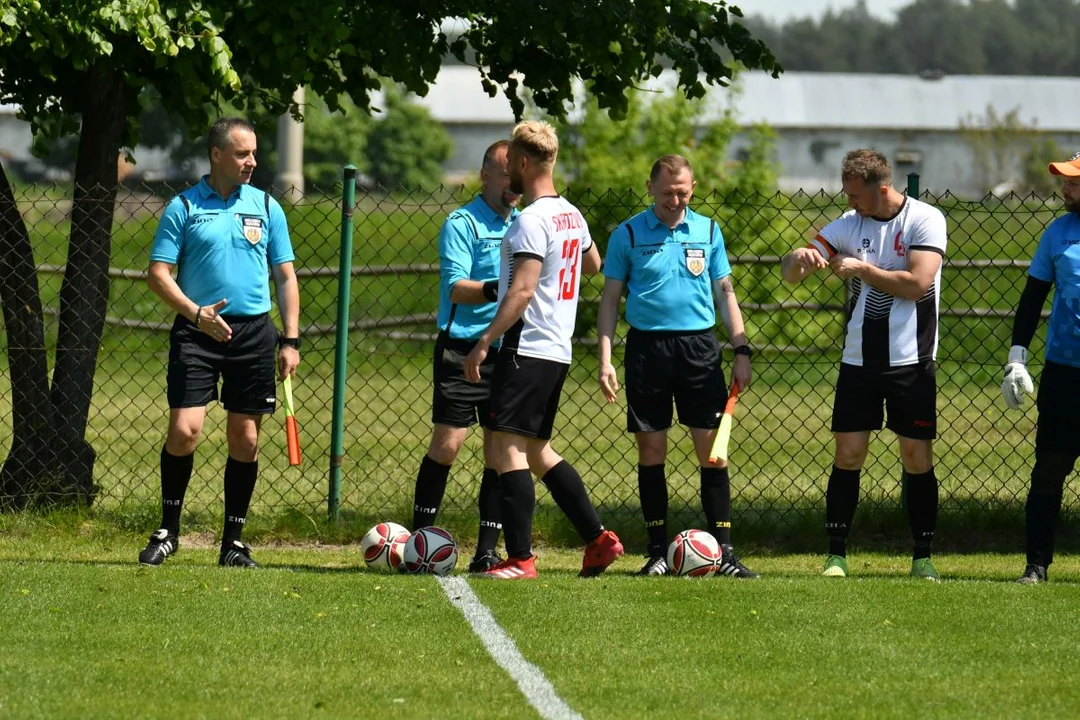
(198, 312)
(744, 350)
(491, 290)
(293, 342)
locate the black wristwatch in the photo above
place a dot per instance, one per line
(744, 350)
(291, 342)
(491, 290)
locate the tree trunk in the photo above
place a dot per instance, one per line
(32, 458)
(84, 294)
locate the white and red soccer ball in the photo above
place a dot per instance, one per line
(693, 553)
(384, 545)
(430, 550)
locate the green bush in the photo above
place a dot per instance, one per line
(332, 140)
(407, 147)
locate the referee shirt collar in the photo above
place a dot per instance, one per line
(206, 191)
(654, 222)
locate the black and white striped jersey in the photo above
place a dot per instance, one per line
(884, 330)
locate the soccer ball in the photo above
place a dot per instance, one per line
(693, 553)
(430, 550)
(384, 545)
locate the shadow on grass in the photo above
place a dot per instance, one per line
(781, 528)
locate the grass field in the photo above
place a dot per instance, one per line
(89, 633)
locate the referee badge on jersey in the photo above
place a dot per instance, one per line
(253, 229)
(695, 261)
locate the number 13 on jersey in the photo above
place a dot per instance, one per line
(568, 274)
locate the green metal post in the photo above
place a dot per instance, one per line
(913, 185)
(341, 342)
(912, 192)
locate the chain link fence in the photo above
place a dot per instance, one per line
(781, 445)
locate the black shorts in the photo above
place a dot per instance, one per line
(456, 401)
(525, 394)
(1059, 390)
(247, 365)
(662, 366)
(908, 393)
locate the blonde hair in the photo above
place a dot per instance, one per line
(537, 139)
(870, 166)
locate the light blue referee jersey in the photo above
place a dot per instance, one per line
(1057, 261)
(224, 247)
(469, 245)
(668, 272)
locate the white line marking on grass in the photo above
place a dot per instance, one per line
(536, 688)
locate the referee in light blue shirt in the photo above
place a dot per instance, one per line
(222, 235)
(469, 246)
(672, 265)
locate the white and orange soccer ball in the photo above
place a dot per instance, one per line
(384, 546)
(693, 553)
(430, 550)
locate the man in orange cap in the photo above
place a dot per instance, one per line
(1056, 262)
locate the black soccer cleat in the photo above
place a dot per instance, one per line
(654, 566)
(236, 554)
(482, 562)
(732, 567)
(1033, 575)
(161, 546)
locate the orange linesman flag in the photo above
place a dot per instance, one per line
(292, 430)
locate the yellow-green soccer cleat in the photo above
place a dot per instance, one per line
(923, 568)
(835, 566)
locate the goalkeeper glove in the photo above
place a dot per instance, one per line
(1017, 381)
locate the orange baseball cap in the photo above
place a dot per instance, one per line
(1069, 168)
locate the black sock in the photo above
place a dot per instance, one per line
(1044, 504)
(239, 484)
(518, 502)
(922, 507)
(1041, 513)
(652, 489)
(568, 492)
(490, 512)
(841, 499)
(175, 476)
(430, 487)
(716, 502)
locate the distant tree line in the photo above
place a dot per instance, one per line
(977, 37)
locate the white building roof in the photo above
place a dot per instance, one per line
(845, 100)
(824, 100)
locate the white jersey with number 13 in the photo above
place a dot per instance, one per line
(553, 231)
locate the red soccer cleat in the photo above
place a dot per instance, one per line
(600, 553)
(513, 569)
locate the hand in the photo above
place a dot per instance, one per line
(210, 322)
(809, 259)
(740, 371)
(845, 266)
(1017, 380)
(609, 382)
(473, 361)
(288, 360)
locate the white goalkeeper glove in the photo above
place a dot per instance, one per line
(1017, 381)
